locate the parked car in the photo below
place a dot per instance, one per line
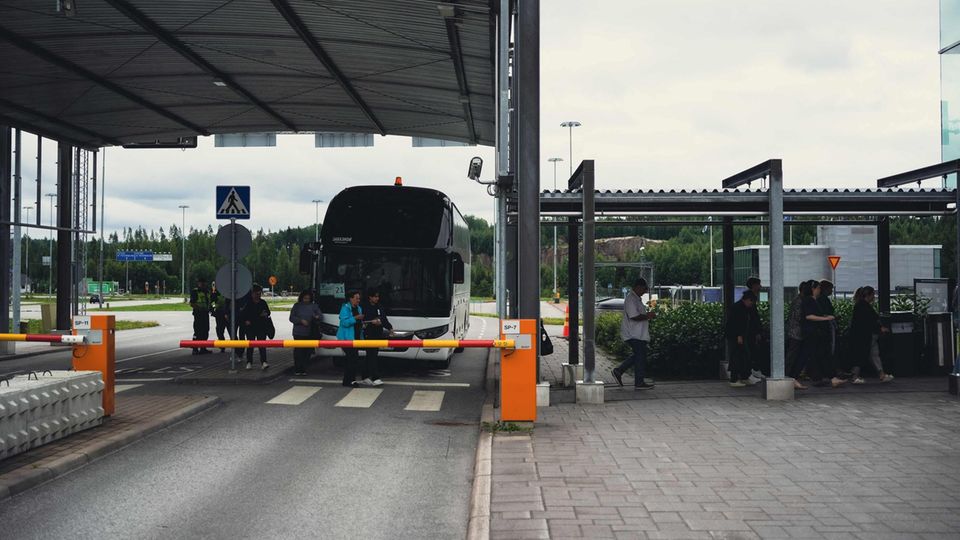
(95, 299)
(610, 304)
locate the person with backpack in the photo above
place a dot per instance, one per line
(256, 323)
(739, 334)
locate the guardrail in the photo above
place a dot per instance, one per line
(45, 338)
(351, 344)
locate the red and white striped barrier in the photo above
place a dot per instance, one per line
(45, 338)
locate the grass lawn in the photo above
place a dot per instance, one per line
(34, 325)
(148, 307)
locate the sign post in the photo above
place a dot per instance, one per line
(233, 203)
(834, 261)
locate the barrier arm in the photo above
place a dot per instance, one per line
(350, 344)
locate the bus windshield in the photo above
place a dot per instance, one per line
(410, 282)
(397, 221)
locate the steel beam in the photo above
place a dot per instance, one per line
(456, 54)
(573, 288)
(5, 204)
(181, 48)
(728, 282)
(300, 27)
(64, 234)
(918, 175)
(777, 340)
(883, 265)
(96, 137)
(589, 270)
(528, 161)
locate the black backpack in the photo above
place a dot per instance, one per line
(546, 346)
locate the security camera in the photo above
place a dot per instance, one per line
(476, 165)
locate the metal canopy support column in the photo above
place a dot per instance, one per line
(527, 102)
(589, 269)
(883, 264)
(64, 245)
(503, 152)
(775, 190)
(17, 239)
(728, 284)
(5, 170)
(573, 289)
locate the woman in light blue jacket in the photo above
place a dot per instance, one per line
(351, 327)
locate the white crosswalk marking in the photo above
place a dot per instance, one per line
(425, 400)
(295, 395)
(360, 398)
(124, 387)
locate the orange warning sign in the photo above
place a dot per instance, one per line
(272, 280)
(834, 261)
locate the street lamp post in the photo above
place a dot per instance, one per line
(570, 124)
(316, 237)
(51, 196)
(183, 252)
(555, 160)
(26, 258)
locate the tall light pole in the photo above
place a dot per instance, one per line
(316, 238)
(555, 160)
(570, 124)
(183, 252)
(51, 196)
(26, 264)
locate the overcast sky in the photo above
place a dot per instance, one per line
(671, 95)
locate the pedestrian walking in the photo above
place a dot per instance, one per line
(759, 359)
(304, 315)
(738, 331)
(200, 304)
(376, 326)
(255, 320)
(635, 331)
(351, 328)
(815, 335)
(865, 330)
(794, 364)
(831, 333)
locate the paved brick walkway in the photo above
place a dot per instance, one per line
(854, 465)
(136, 417)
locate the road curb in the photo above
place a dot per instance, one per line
(23, 479)
(479, 525)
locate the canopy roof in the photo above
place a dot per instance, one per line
(128, 71)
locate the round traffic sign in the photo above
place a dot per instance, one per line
(224, 240)
(272, 280)
(225, 282)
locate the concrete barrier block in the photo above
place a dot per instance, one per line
(777, 389)
(543, 394)
(590, 393)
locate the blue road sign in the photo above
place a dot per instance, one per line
(233, 202)
(135, 256)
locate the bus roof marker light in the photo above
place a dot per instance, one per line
(398, 181)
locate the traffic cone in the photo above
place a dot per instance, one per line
(566, 322)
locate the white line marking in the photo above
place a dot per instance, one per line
(295, 395)
(389, 383)
(425, 400)
(148, 354)
(154, 379)
(124, 387)
(360, 398)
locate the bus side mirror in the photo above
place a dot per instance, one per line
(308, 254)
(458, 269)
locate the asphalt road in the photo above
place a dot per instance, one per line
(372, 467)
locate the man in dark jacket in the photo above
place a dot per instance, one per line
(759, 358)
(738, 330)
(830, 339)
(375, 326)
(200, 304)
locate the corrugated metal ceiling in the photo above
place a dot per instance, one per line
(67, 75)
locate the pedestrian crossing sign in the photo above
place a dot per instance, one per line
(233, 202)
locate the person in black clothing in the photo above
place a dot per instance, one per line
(739, 334)
(376, 326)
(220, 317)
(813, 349)
(255, 321)
(865, 328)
(759, 359)
(200, 304)
(830, 333)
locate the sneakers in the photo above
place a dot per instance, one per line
(366, 382)
(737, 384)
(643, 386)
(886, 378)
(264, 365)
(836, 382)
(350, 384)
(858, 380)
(758, 375)
(377, 382)
(249, 365)
(617, 375)
(751, 380)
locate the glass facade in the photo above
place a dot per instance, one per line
(950, 82)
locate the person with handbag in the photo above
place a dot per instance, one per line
(255, 321)
(376, 326)
(351, 328)
(303, 315)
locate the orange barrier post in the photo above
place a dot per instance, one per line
(98, 353)
(566, 322)
(518, 371)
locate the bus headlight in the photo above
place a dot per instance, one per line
(432, 333)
